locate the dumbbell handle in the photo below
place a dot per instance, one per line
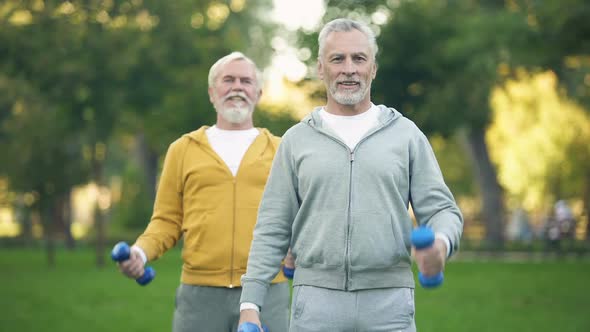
(422, 238)
(121, 252)
(251, 327)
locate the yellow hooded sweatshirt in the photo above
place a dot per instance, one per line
(200, 199)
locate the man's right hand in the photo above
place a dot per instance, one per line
(250, 315)
(133, 267)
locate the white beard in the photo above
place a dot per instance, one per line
(235, 115)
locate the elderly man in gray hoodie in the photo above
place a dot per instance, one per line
(338, 194)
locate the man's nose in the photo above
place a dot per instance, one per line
(349, 67)
(237, 86)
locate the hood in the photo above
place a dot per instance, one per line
(386, 115)
(200, 137)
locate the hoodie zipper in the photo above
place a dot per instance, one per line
(349, 223)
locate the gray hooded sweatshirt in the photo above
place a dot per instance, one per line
(345, 213)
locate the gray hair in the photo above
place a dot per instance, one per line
(345, 25)
(214, 71)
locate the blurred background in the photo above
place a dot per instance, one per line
(93, 92)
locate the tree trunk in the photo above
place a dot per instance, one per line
(100, 218)
(63, 219)
(23, 212)
(99, 224)
(493, 211)
(47, 216)
(587, 205)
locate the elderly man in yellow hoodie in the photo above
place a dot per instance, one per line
(209, 191)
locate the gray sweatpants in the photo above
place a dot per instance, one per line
(317, 309)
(202, 308)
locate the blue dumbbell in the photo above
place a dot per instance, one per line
(288, 272)
(251, 327)
(121, 252)
(422, 238)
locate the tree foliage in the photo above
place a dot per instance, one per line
(541, 138)
(78, 78)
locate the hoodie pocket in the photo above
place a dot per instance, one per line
(373, 242)
(207, 242)
(321, 241)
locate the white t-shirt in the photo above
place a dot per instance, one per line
(351, 128)
(231, 145)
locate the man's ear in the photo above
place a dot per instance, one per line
(320, 70)
(374, 74)
(211, 95)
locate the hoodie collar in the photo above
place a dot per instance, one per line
(200, 136)
(386, 114)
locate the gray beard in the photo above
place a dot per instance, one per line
(235, 115)
(349, 98)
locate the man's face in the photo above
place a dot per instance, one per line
(235, 91)
(347, 67)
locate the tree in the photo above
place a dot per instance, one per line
(563, 45)
(40, 157)
(541, 138)
(564, 48)
(110, 69)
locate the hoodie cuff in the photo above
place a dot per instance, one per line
(140, 252)
(446, 240)
(249, 305)
(253, 291)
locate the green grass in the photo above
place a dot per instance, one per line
(481, 297)
(77, 296)
(477, 296)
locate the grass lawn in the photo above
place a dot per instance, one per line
(493, 296)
